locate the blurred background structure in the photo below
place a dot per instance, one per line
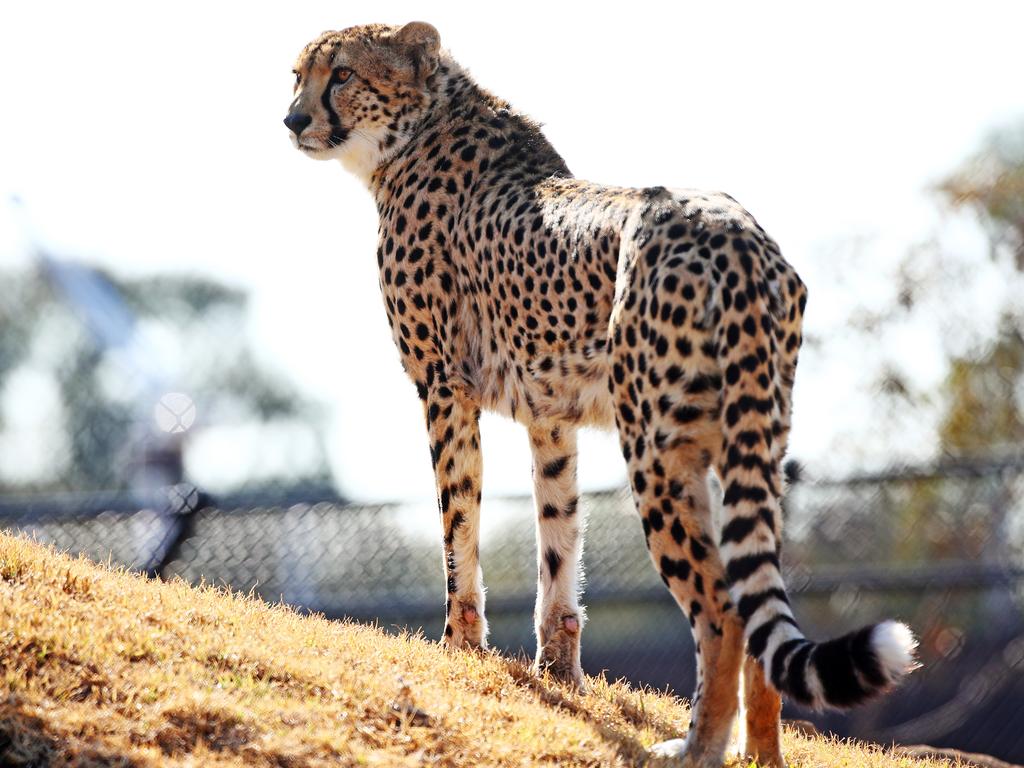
(197, 380)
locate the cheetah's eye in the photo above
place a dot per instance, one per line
(298, 78)
(342, 74)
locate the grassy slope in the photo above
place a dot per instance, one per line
(104, 668)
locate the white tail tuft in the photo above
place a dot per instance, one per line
(895, 646)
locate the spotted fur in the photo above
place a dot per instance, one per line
(669, 315)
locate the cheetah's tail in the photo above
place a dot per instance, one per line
(838, 673)
(843, 672)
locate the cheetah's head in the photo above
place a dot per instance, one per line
(361, 93)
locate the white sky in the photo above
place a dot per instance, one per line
(148, 138)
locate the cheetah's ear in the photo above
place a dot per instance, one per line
(423, 43)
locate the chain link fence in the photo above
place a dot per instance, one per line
(939, 547)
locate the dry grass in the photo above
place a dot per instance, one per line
(105, 668)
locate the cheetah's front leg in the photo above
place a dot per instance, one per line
(453, 427)
(558, 616)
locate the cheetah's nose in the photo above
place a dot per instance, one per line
(297, 122)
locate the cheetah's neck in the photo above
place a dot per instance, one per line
(461, 106)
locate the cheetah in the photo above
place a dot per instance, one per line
(668, 315)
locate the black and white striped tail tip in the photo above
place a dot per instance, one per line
(849, 670)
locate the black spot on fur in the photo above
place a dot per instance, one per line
(555, 468)
(554, 561)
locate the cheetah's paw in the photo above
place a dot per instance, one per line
(675, 753)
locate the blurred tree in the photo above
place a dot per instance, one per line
(97, 424)
(979, 407)
(976, 410)
(985, 391)
(984, 411)
(992, 184)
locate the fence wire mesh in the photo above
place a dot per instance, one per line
(939, 547)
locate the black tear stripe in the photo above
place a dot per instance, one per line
(338, 134)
